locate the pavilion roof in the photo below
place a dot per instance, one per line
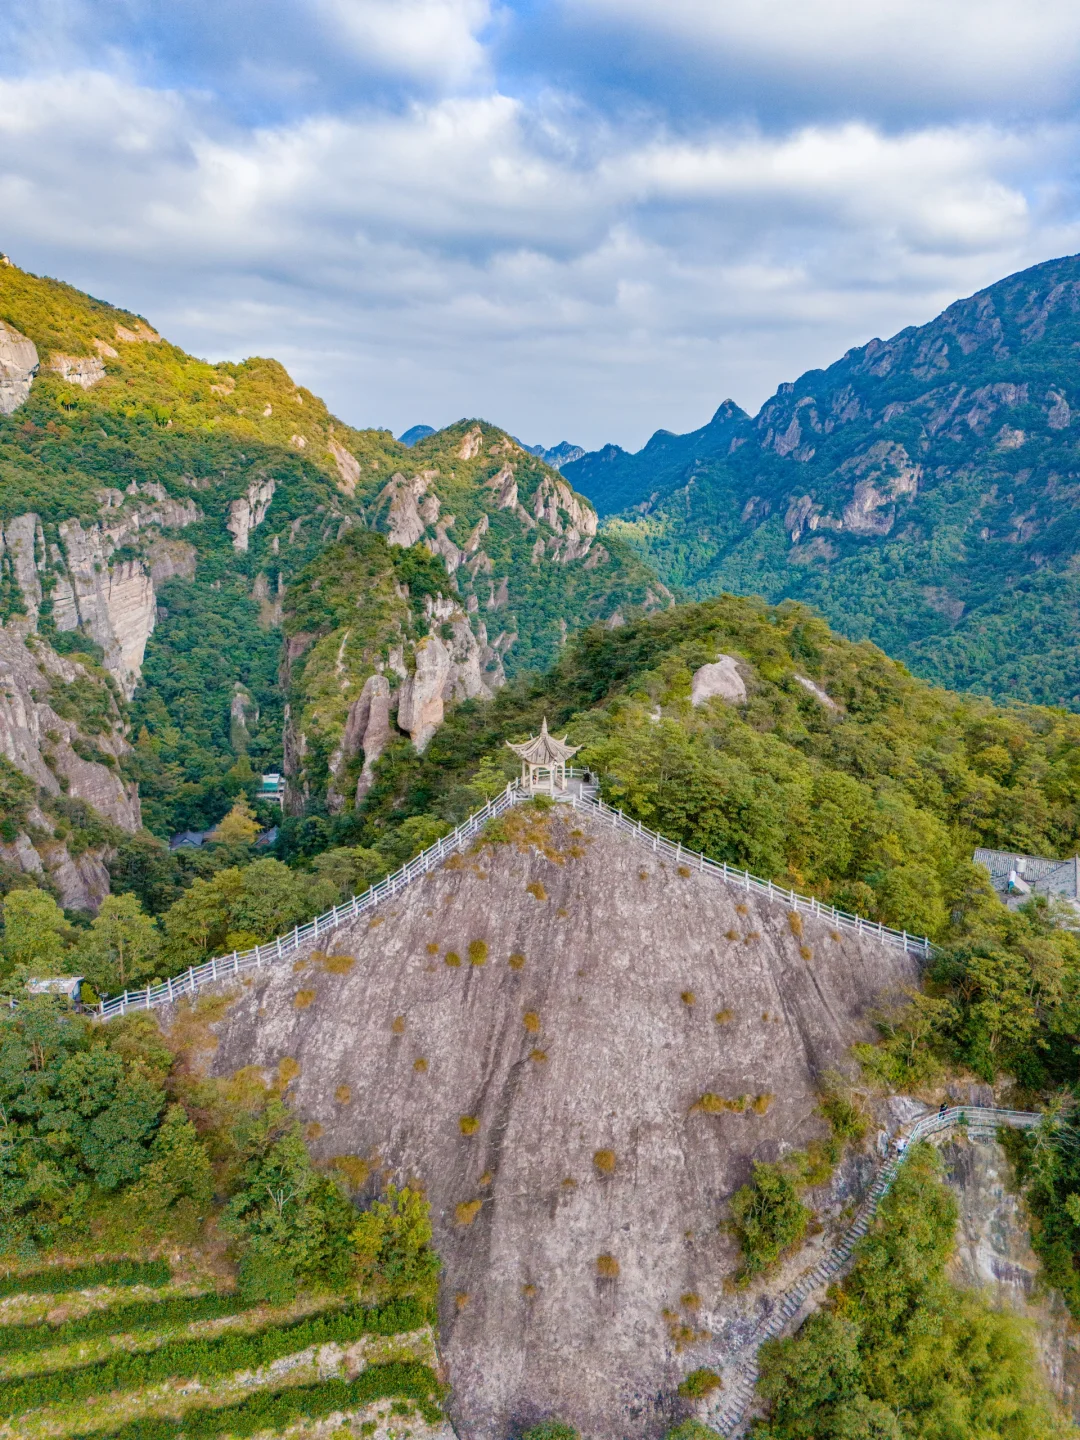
(544, 749)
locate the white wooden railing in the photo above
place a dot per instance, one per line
(728, 1414)
(743, 880)
(224, 966)
(580, 795)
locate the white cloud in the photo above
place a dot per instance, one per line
(962, 52)
(435, 39)
(564, 276)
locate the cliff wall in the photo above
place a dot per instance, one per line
(526, 1033)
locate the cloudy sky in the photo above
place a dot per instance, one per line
(580, 219)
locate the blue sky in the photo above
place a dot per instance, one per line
(580, 219)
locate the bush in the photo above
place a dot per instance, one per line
(60, 1279)
(768, 1217)
(700, 1384)
(275, 1410)
(392, 1241)
(551, 1430)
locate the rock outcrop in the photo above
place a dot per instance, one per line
(18, 366)
(248, 513)
(40, 737)
(720, 680)
(606, 992)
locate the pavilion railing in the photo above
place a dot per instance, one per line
(222, 967)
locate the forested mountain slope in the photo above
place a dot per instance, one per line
(156, 511)
(921, 492)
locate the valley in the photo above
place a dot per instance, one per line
(560, 1128)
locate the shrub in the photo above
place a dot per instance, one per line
(277, 1410)
(343, 1094)
(846, 1121)
(551, 1430)
(531, 1021)
(398, 1025)
(466, 1212)
(175, 1359)
(806, 951)
(537, 890)
(478, 952)
(700, 1384)
(690, 1430)
(768, 1217)
(340, 964)
(538, 1055)
(761, 1103)
(712, 1104)
(453, 959)
(516, 961)
(795, 921)
(724, 1017)
(120, 1318)
(731, 934)
(607, 1267)
(287, 1071)
(684, 871)
(468, 1124)
(302, 999)
(688, 997)
(355, 1170)
(605, 1161)
(392, 1241)
(420, 1065)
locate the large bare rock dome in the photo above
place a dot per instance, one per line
(526, 1032)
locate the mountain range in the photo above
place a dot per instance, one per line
(166, 522)
(921, 492)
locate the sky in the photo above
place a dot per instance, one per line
(581, 220)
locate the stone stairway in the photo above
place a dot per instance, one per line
(729, 1413)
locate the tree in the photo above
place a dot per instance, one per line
(179, 1169)
(34, 933)
(290, 1223)
(122, 946)
(240, 826)
(392, 1241)
(767, 1216)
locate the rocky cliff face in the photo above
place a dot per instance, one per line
(114, 604)
(18, 366)
(994, 1255)
(41, 736)
(526, 1033)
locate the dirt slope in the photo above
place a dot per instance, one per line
(601, 1041)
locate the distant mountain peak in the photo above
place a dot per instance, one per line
(416, 433)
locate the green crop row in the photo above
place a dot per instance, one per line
(206, 1358)
(274, 1410)
(58, 1279)
(121, 1319)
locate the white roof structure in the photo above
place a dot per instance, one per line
(544, 749)
(55, 985)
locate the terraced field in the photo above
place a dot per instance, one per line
(123, 1351)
